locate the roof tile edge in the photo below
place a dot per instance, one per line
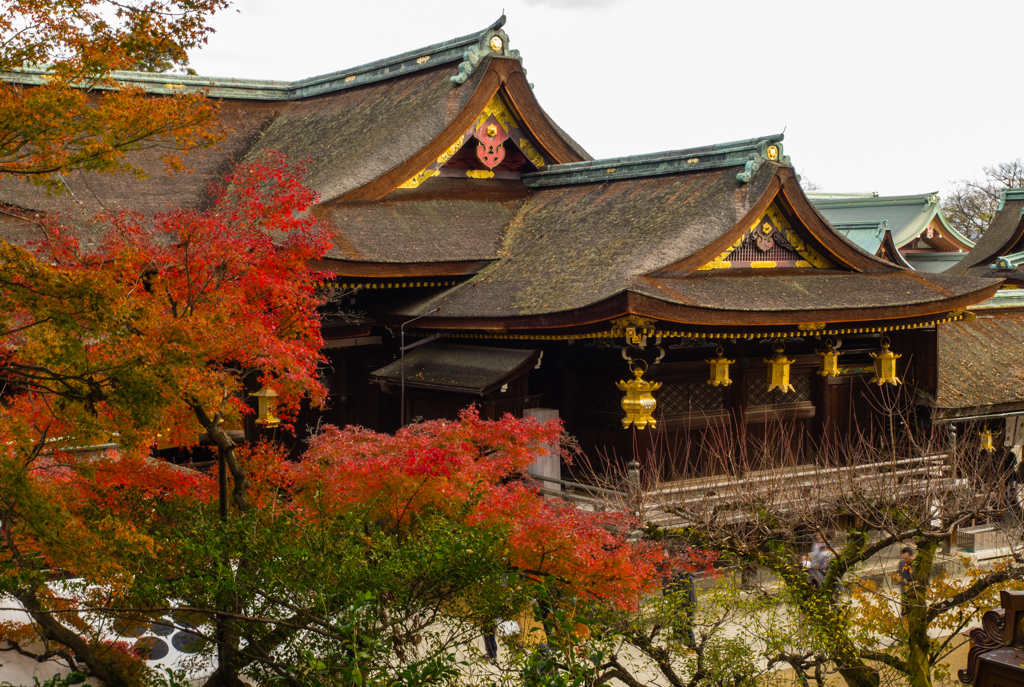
(430, 56)
(750, 154)
(917, 199)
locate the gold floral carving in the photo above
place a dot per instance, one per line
(806, 252)
(811, 326)
(809, 257)
(452, 149)
(419, 178)
(531, 153)
(499, 109)
(633, 327)
(720, 262)
(479, 173)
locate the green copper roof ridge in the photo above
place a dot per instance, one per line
(867, 224)
(1011, 194)
(748, 153)
(452, 50)
(1008, 262)
(914, 199)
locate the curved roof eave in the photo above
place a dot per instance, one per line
(494, 74)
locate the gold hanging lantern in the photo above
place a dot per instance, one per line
(638, 402)
(885, 365)
(829, 361)
(987, 443)
(267, 404)
(719, 369)
(778, 370)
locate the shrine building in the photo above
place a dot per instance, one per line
(910, 231)
(522, 275)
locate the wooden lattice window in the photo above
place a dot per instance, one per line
(599, 396)
(758, 394)
(680, 398)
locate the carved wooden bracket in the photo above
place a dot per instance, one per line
(997, 644)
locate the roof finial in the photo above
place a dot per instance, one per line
(493, 42)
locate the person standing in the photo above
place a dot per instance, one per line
(906, 577)
(820, 559)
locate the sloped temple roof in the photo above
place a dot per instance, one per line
(658, 236)
(1000, 250)
(907, 218)
(532, 236)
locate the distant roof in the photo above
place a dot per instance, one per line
(907, 216)
(454, 50)
(1003, 237)
(868, 235)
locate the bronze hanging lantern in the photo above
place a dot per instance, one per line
(267, 405)
(885, 365)
(719, 369)
(987, 443)
(829, 361)
(638, 402)
(778, 370)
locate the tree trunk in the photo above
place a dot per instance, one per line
(229, 662)
(108, 671)
(915, 603)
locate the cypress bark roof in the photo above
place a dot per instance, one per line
(1002, 237)
(981, 363)
(584, 250)
(364, 130)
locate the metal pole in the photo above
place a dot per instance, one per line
(401, 412)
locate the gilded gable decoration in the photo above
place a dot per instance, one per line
(492, 128)
(633, 328)
(490, 135)
(771, 242)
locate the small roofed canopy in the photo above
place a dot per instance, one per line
(920, 230)
(477, 370)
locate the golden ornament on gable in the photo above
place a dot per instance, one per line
(452, 149)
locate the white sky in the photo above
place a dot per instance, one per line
(897, 97)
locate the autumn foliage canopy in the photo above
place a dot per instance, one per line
(135, 330)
